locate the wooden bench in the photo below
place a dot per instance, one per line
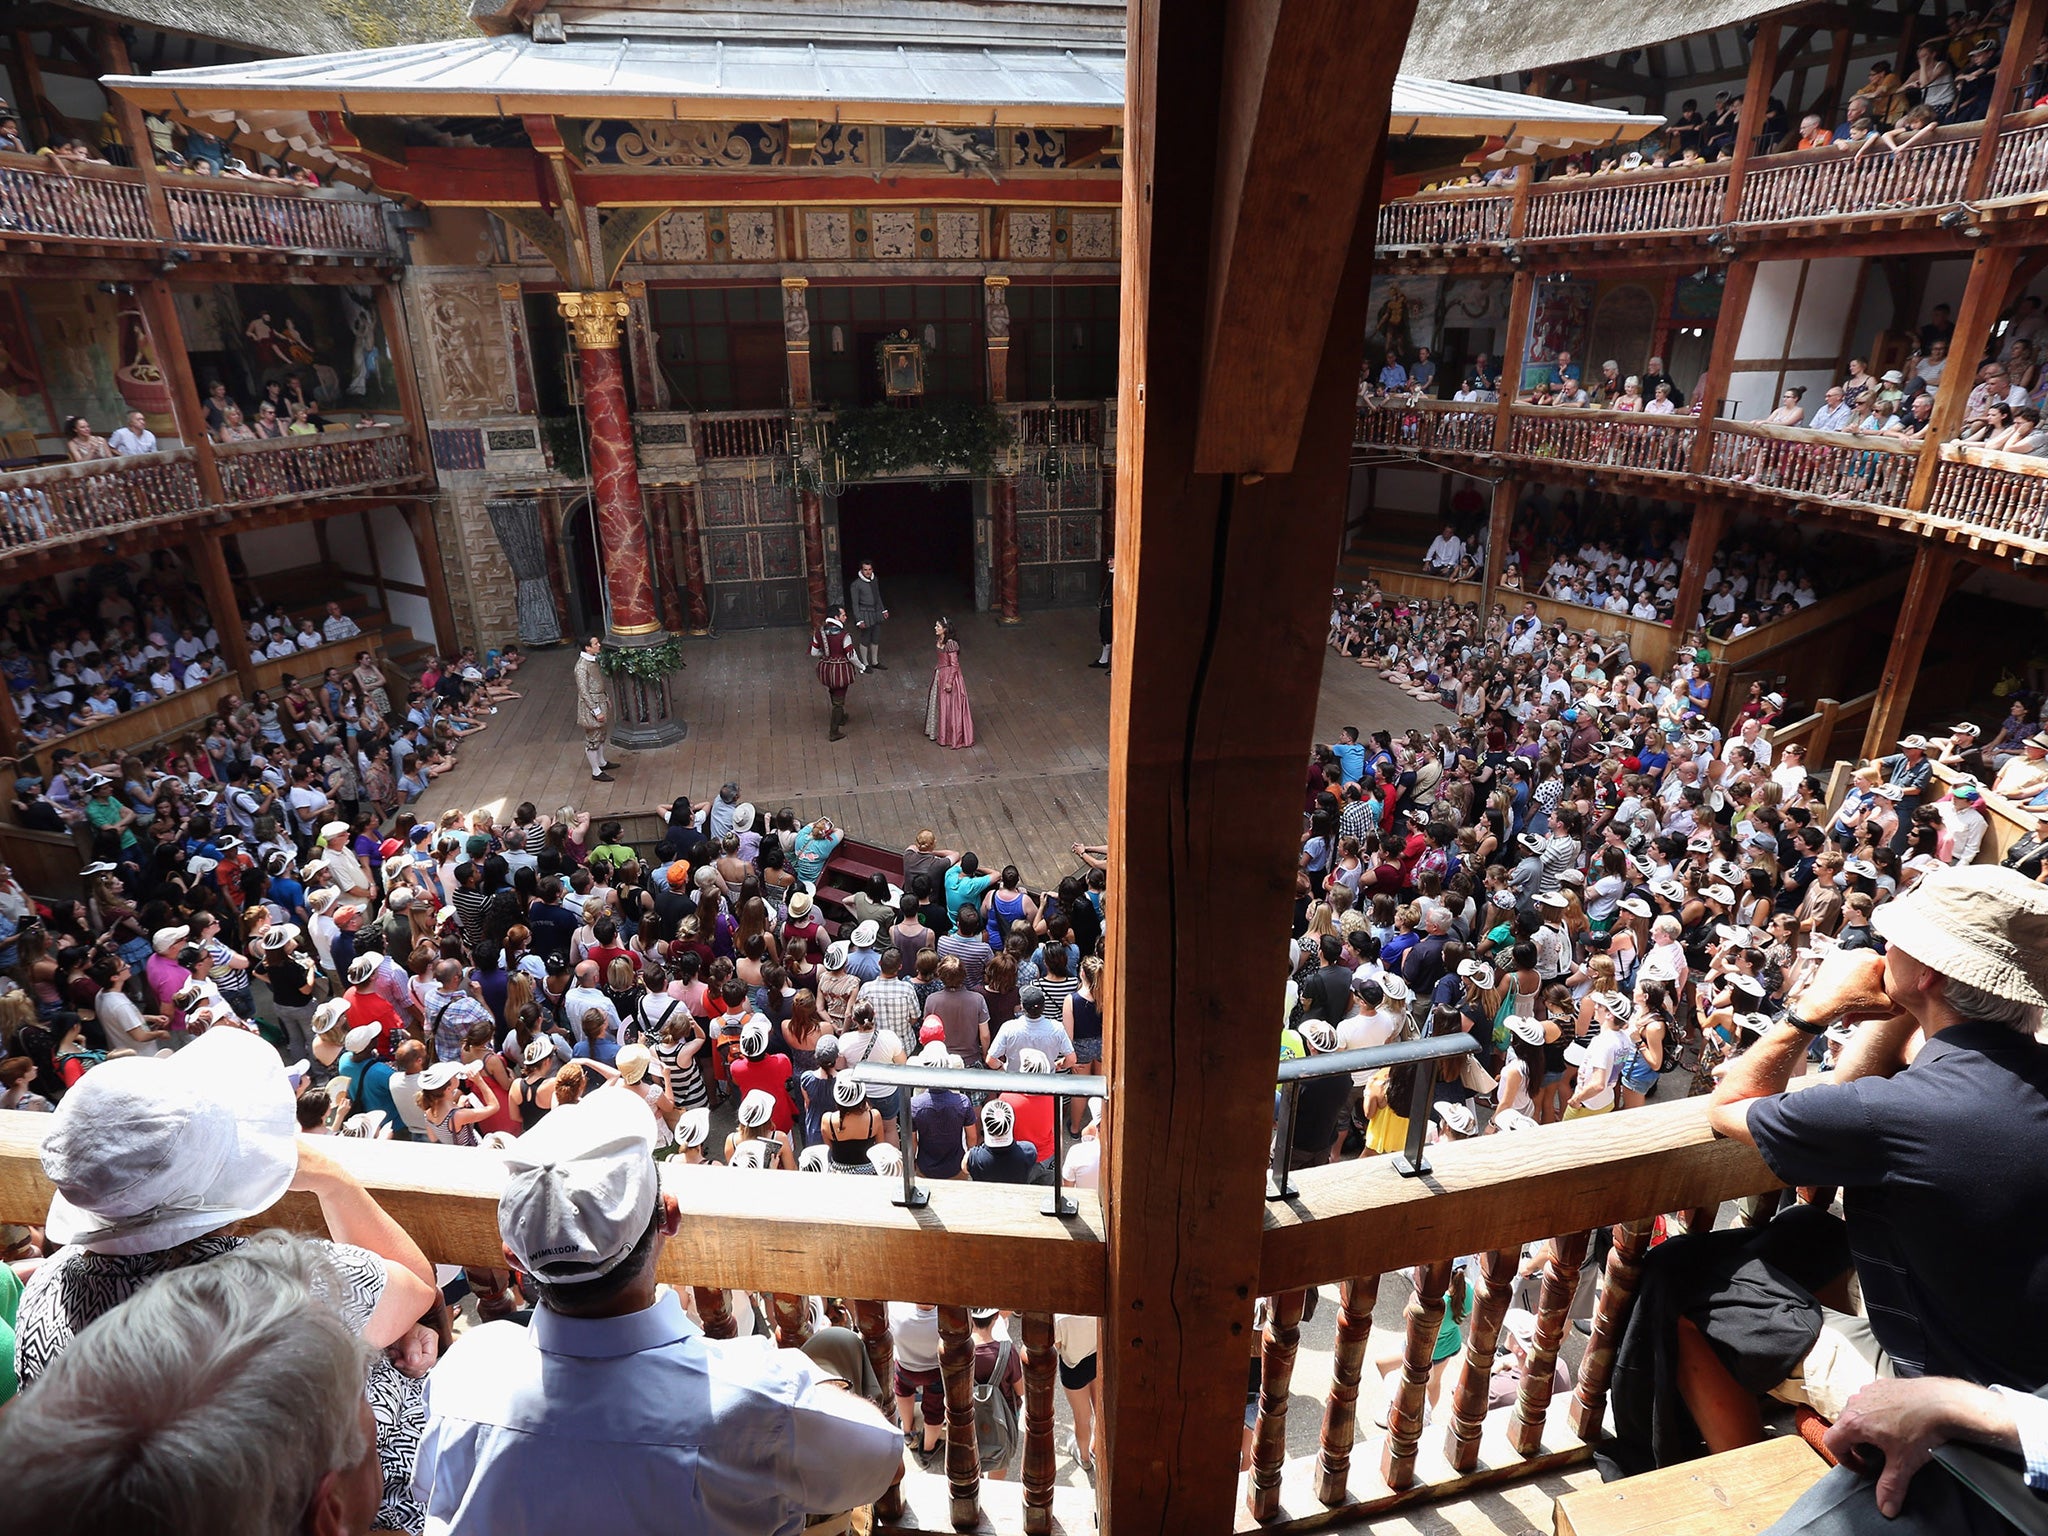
(1727, 1495)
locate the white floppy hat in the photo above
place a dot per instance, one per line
(362, 968)
(332, 830)
(750, 1154)
(1037, 1064)
(754, 1039)
(538, 1050)
(1512, 1120)
(148, 1152)
(865, 935)
(835, 955)
(1457, 1118)
(1478, 972)
(1527, 1030)
(1982, 924)
(581, 1188)
(692, 1127)
(847, 1092)
(758, 1107)
(632, 1063)
(360, 1039)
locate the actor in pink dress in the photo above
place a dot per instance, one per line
(947, 719)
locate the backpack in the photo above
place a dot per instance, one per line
(995, 1420)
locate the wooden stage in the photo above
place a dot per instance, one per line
(1035, 782)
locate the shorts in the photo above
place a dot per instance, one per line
(889, 1105)
(1077, 1378)
(1580, 1111)
(926, 1387)
(1088, 1051)
(1638, 1076)
(1845, 1358)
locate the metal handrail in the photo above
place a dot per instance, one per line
(1410, 1160)
(1062, 1085)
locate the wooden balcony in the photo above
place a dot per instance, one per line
(1812, 192)
(1993, 501)
(68, 205)
(290, 468)
(58, 504)
(255, 216)
(785, 1238)
(741, 434)
(80, 204)
(63, 503)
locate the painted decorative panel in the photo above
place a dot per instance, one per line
(1030, 234)
(726, 555)
(1080, 538)
(782, 552)
(892, 234)
(685, 146)
(842, 144)
(749, 233)
(927, 144)
(1037, 149)
(959, 234)
(1033, 542)
(457, 447)
(1092, 235)
(828, 234)
(722, 503)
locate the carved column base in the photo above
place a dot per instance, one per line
(643, 714)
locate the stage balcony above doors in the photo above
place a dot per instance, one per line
(680, 447)
(769, 1233)
(1996, 503)
(1818, 194)
(48, 507)
(64, 207)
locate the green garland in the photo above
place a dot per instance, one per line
(562, 437)
(952, 436)
(643, 663)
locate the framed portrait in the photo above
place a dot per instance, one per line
(902, 367)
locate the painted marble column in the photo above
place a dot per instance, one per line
(796, 340)
(658, 508)
(811, 507)
(696, 600)
(1002, 492)
(614, 470)
(996, 293)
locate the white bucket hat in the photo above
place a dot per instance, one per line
(1527, 1030)
(148, 1152)
(1984, 925)
(757, 1108)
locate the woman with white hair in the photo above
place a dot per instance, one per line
(194, 1362)
(154, 1159)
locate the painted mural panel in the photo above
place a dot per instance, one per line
(90, 359)
(248, 335)
(1559, 321)
(1401, 315)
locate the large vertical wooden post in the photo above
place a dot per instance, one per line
(113, 53)
(1926, 590)
(1756, 98)
(1736, 285)
(160, 319)
(2022, 37)
(1521, 300)
(1709, 524)
(28, 81)
(1991, 270)
(398, 347)
(426, 539)
(1003, 550)
(1247, 258)
(1500, 520)
(221, 607)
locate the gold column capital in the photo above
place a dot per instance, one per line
(635, 290)
(596, 317)
(995, 280)
(509, 293)
(796, 284)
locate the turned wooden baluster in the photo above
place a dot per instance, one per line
(871, 1320)
(1482, 1333)
(1277, 1349)
(1610, 1316)
(1553, 1310)
(792, 1318)
(714, 1312)
(1340, 1410)
(1425, 1316)
(963, 1451)
(1038, 1431)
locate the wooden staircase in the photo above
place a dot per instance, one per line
(305, 592)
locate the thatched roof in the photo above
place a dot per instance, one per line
(1471, 39)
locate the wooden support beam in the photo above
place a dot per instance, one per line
(114, 60)
(426, 538)
(1289, 183)
(1934, 564)
(2022, 37)
(1984, 295)
(1756, 97)
(1514, 346)
(1736, 285)
(1709, 524)
(219, 588)
(1220, 587)
(167, 338)
(28, 84)
(1500, 520)
(398, 349)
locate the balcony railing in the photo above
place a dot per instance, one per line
(87, 203)
(1830, 183)
(46, 199)
(59, 503)
(1638, 203)
(1476, 216)
(1442, 426)
(1604, 439)
(1807, 186)
(2001, 493)
(2021, 169)
(318, 221)
(770, 1233)
(742, 434)
(282, 468)
(1834, 466)
(1053, 424)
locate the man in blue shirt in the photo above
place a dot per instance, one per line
(966, 884)
(1942, 1159)
(1565, 370)
(1393, 375)
(814, 848)
(1350, 754)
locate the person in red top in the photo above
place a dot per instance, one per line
(758, 1068)
(608, 948)
(367, 1007)
(1034, 1111)
(803, 924)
